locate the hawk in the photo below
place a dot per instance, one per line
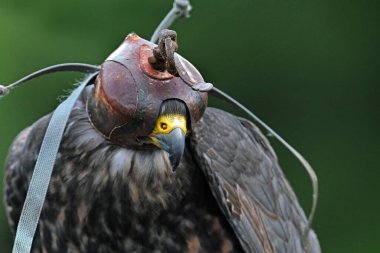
(208, 185)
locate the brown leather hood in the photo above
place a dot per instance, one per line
(129, 92)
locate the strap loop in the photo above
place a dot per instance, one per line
(78, 67)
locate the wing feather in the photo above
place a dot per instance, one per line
(248, 184)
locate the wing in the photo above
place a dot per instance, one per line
(248, 184)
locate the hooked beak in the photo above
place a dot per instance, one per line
(173, 143)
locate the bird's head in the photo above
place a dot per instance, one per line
(170, 130)
(147, 96)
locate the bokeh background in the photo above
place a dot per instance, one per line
(310, 69)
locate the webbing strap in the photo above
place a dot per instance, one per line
(42, 172)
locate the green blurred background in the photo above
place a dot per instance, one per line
(310, 69)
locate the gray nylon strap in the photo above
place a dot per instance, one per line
(42, 172)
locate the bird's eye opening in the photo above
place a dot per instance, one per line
(164, 126)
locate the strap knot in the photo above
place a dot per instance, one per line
(182, 8)
(163, 54)
(3, 91)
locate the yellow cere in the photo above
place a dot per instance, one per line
(166, 123)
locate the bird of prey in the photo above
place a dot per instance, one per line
(214, 185)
